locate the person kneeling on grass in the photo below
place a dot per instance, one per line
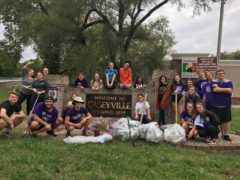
(205, 124)
(77, 117)
(187, 117)
(11, 114)
(45, 118)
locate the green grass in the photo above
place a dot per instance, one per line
(44, 158)
(39, 158)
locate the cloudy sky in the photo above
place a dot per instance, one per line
(194, 34)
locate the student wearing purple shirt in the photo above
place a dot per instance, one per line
(189, 84)
(205, 124)
(81, 82)
(177, 87)
(200, 83)
(77, 117)
(187, 117)
(207, 89)
(45, 118)
(220, 103)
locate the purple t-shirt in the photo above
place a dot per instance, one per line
(76, 116)
(221, 99)
(207, 91)
(199, 85)
(186, 116)
(82, 82)
(180, 88)
(49, 117)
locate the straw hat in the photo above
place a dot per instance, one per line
(78, 99)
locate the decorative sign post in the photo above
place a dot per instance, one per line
(207, 64)
(189, 68)
(109, 105)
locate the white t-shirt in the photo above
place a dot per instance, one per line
(139, 107)
(199, 121)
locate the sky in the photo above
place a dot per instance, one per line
(196, 34)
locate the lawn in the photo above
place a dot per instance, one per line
(47, 158)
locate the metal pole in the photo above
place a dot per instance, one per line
(220, 33)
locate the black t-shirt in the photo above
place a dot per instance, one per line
(10, 108)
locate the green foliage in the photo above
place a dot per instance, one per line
(230, 55)
(75, 35)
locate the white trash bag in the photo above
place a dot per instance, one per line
(121, 129)
(88, 139)
(144, 128)
(174, 133)
(154, 134)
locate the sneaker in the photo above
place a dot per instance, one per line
(51, 133)
(227, 138)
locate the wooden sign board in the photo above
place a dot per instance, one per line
(109, 105)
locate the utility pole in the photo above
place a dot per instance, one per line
(220, 33)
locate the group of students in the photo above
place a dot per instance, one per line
(45, 116)
(204, 106)
(125, 76)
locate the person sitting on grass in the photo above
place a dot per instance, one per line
(142, 110)
(96, 83)
(205, 124)
(11, 114)
(45, 118)
(125, 76)
(187, 117)
(77, 117)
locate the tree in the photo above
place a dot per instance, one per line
(124, 17)
(230, 55)
(60, 29)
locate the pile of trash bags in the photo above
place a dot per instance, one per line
(173, 133)
(127, 129)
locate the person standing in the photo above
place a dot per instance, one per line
(142, 110)
(177, 89)
(45, 72)
(40, 88)
(163, 98)
(207, 89)
(25, 91)
(125, 76)
(220, 103)
(200, 83)
(11, 114)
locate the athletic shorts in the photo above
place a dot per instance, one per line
(224, 114)
(173, 98)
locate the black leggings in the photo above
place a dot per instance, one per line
(22, 98)
(210, 131)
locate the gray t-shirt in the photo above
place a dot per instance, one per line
(26, 82)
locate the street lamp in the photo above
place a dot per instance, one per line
(220, 33)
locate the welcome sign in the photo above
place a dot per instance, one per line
(109, 105)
